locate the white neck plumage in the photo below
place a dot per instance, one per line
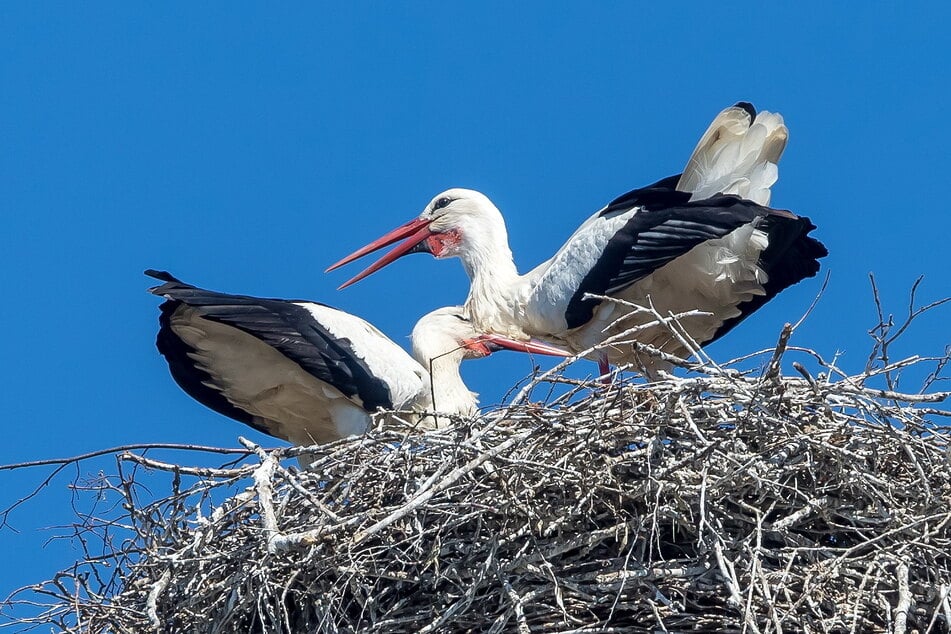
(443, 390)
(496, 288)
(449, 393)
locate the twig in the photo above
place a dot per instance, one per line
(151, 603)
(121, 448)
(904, 599)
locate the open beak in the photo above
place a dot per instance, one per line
(489, 343)
(414, 232)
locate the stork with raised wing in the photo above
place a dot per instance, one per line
(308, 373)
(703, 242)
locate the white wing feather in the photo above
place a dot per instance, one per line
(737, 156)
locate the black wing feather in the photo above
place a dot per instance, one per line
(281, 324)
(193, 380)
(792, 256)
(657, 195)
(666, 226)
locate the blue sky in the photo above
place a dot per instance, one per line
(245, 149)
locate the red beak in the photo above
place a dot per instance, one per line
(489, 343)
(415, 231)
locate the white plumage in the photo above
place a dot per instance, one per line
(701, 241)
(738, 154)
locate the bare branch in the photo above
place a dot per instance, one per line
(120, 449)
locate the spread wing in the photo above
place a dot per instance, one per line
(294, 329)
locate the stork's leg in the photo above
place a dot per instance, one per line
(604, 368)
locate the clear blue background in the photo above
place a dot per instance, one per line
(246, 148)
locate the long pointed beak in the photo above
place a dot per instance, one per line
(415, 231)
(493, 343)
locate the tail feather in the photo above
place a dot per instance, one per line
(737, 155)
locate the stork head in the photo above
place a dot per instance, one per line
(447, 333)
(442, 340)
(459, 220)
(456, 223)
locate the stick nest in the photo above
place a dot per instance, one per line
(721, 501)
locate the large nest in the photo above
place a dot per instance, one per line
(722, 500)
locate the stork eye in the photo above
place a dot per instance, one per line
(442, 202)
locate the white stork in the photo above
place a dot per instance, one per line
(701, 241)
(308, 373)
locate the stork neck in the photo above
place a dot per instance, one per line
(449, 393)
(492, 260)
(494, 286)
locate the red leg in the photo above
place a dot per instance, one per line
(604, 368)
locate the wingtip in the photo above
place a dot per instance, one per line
(164, 276)
(170, 282)
(748, 107)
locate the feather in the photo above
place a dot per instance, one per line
(737, 155)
